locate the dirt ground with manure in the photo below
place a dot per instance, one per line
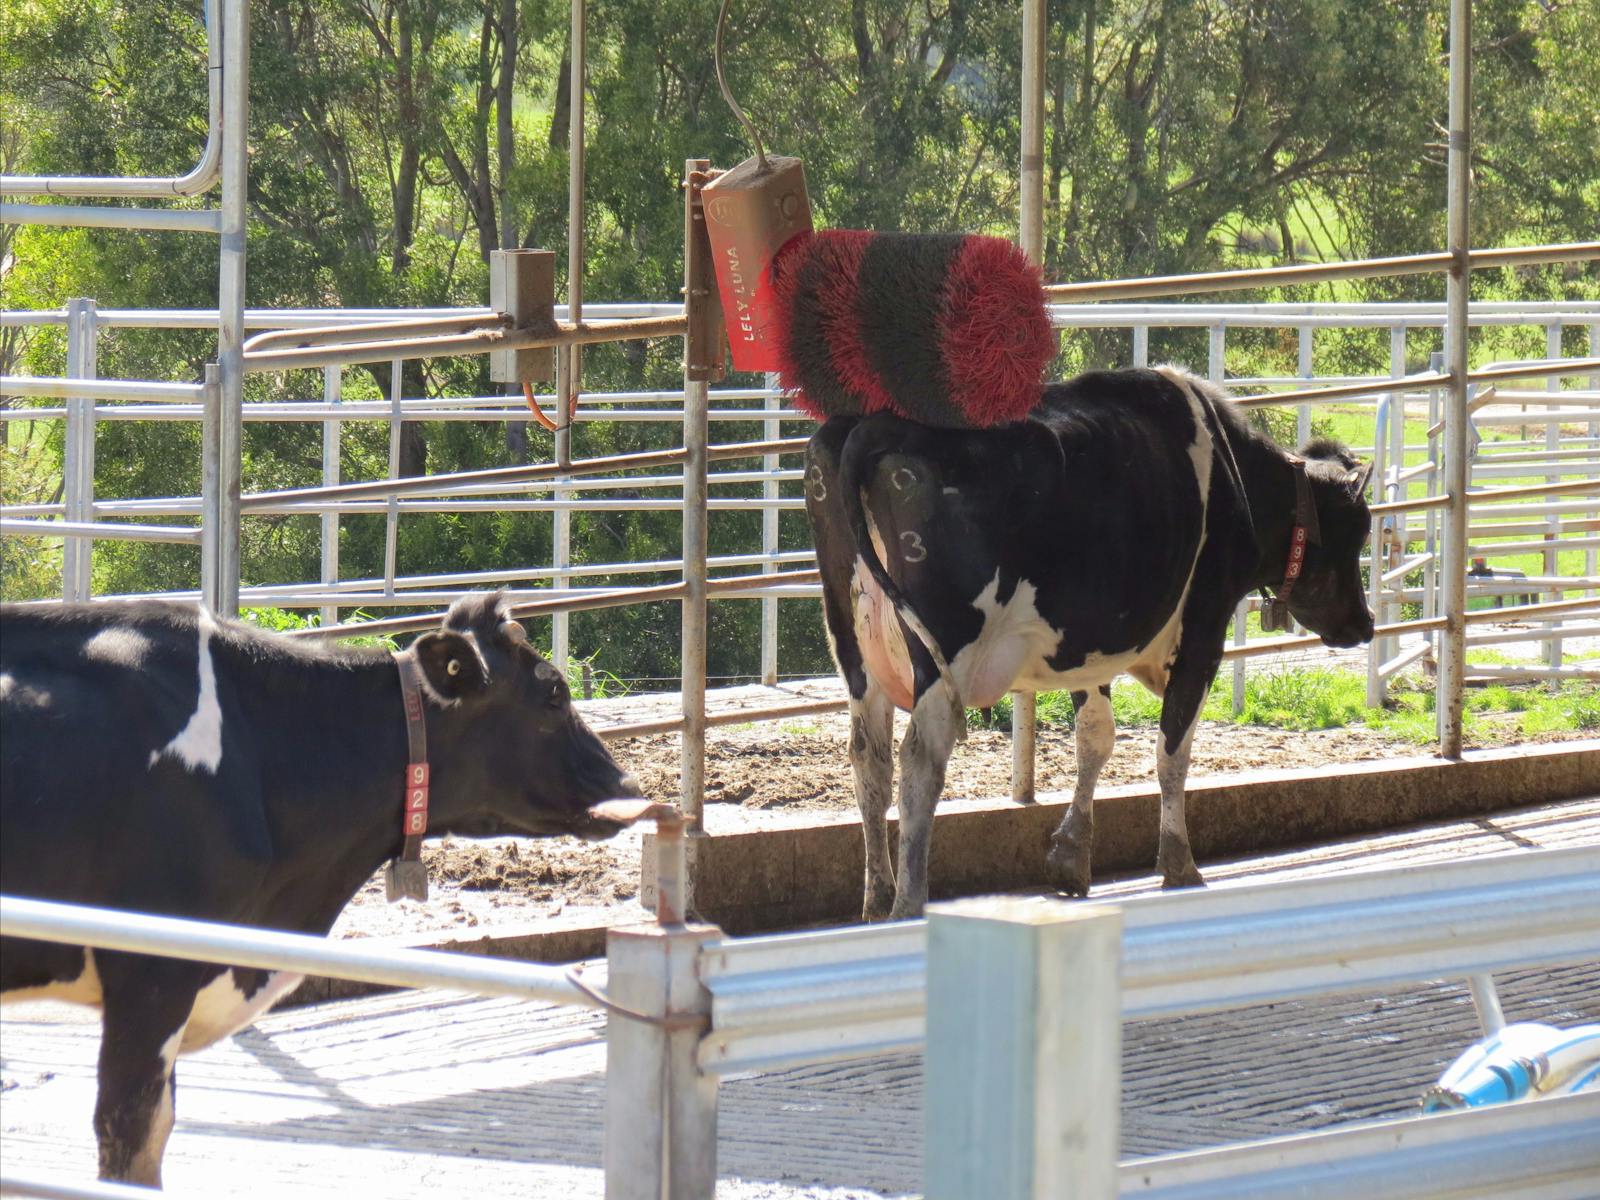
(784, 773)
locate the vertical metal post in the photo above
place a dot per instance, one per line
(332, 393)
(1031, 220)
(698, 285)
(771, 430)
(1030, 237)
(1216, 372)
(661, 1111)
(569, 360)
(1552, 556)
(1453, 643)
(1388, 547)
(391, 512)
(1486, 999)
(1022, 1075)
(1433, 574)
(1302, 417)
(1591, 560)
(230, 293)
(1141, 345)
(77, 554)
(1376, 688)
(211, 489)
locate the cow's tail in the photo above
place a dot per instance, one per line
(856, 467)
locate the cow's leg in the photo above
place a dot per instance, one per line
(924, 754)
(872, 763)
(1180, 713)
(146, 1005)
(1095, 731)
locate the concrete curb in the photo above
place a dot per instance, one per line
(775, 879)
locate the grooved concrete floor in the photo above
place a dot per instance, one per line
(416, 1094)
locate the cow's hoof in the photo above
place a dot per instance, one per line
(1187, 876)
(906, 910)
(1067, 868)
(875, 910)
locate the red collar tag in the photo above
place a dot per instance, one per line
(416, 811)
(406, 877)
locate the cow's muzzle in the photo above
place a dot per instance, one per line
(1357, 633)
(611, 817)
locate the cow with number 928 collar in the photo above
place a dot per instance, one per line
(156, 759)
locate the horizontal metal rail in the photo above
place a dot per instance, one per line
(1379, 315)
(1425, 379)
(239, 946)
(100, 529)
(554, 601)
(775, 712)
(307, 318)
(555, 333)
(285, 412)
(1201, 951)
(425, 484)
(818, 997)
(1546, 1148)
(104, 216)
(376, 330)
(99, 389)
(1368, 268)
(38, 1188)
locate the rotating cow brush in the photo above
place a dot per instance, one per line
(943, 329)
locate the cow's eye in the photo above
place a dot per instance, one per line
(453, 667)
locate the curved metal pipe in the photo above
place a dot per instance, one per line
(202, 178)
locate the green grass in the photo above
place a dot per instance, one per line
(1328, 699)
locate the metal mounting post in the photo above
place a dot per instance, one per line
(1022, 1078)
(702, 363)
(77, 554)
(661, 1109)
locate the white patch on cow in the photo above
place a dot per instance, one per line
(199, 743)
(1171, 772)
(1013, 635)
(222, 1009)
(884, 654)
(85, 989)
(20, 695)
(119, 646)
(1201, 450)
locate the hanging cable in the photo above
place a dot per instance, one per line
(749, 127)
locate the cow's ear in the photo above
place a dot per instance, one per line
(1356, 480)
(450, 664)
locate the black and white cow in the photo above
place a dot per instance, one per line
(155, 759)
(1113, 532)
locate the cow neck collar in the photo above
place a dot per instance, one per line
(1306, 531)
(406, 876)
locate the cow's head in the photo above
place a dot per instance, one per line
(515, 758)
(1329, 598)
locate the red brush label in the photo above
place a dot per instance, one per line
(751, 214)
(749, 308)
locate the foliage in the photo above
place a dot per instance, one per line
(1320, 698)
(394, 143)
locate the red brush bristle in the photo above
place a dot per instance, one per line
(846, 351)
(994, 335)
(822, 271)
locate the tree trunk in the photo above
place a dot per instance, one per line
(505, 133)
